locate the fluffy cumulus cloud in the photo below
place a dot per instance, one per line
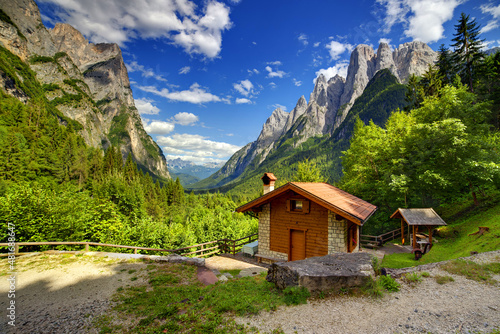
(196, 94)
(297, 83)
(158, 127)
(274, 73)
(493, 11)
(182, 22)
(423, 19)
(185, 118)
(336, 49)
(196, 148)
(145, 106)
(244, 87)
(340, 68)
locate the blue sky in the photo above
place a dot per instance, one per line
(207, 74)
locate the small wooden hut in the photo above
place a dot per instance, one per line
(415, 219)
(305, 219)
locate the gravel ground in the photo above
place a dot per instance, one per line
(462, 306)
(64, 293)
(58, 294)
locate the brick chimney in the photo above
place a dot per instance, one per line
(268, 179)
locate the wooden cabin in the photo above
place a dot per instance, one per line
(305, 219)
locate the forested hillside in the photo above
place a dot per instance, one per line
(54, 187)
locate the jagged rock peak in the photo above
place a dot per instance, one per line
(385, 59)
(301, 102)
(273, 128)
(337, 78)
(319, 94)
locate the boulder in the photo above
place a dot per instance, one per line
(322, 273)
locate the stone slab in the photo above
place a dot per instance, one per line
(322, 273)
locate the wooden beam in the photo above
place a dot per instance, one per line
(414, 238)
(402, 232)
(430, 234)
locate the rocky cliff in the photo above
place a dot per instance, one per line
(328, 106)
(87, 82)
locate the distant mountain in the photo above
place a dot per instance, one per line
(492, 51)
(189, 173)
(330, 104)
(87, 83)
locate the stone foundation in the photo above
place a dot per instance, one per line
(265, 236)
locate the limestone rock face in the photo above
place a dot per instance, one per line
(95, 71)
(323, 273)
(385, 60)
(413, 58)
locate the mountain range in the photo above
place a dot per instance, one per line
(330, 105)
(88, 83)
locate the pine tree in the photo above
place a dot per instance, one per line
(445, 65)
(467, 55)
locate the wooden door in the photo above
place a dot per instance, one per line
(352, 237)
(297, 245)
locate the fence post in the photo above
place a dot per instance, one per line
(16, 249)
(87, 247)
(234, 247)
(135, 250)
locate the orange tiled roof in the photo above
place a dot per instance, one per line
(334, 199)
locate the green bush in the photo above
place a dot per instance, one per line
(389, 283)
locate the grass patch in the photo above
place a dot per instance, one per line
(233, 272)
(472, 270)
(389, 283)
(443, 279)
(454, 240)
(412, 278)
(174, 300)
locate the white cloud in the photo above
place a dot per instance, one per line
(159, 127)
(196, 94)
(273, 85)
(245, 87)
(185, 70)
(339, 68)
(276, 106)
(196, 147)
(145, 106)
(185, 118)
(181, 22)
(145, 72)
(422, 19)
(275, 63)
(316, 44)
(303, 39)
(384, 40)
(493, 11)
(297, 82)
(254, 71)
(274, 74)
(336, 49)
(243, 101)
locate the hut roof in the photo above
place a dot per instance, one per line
(420, 217)
(334, 199)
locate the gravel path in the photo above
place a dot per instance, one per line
(462, 306)
(65, 293)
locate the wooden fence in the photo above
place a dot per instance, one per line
(200, 250)
(373, 241)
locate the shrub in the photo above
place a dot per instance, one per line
(389, 283)
(443, 279)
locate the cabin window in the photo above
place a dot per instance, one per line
(297, 206)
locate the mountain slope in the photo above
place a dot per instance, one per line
(86, 83)
(382, 95)
(330, 104)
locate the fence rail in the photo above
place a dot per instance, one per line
(199, 250)
(379, 240)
